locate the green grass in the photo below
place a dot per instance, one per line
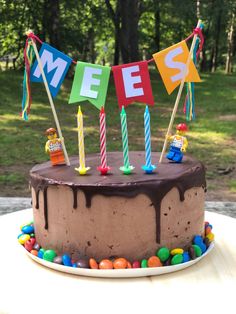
(211, 137)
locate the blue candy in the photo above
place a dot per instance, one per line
(66, 260)
(40, 253)
(28, 229)
(203, 247)
(197, 239)
(74, 265)
(186, 257)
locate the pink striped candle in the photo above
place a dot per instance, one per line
(103, 168)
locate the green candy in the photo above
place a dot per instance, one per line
(177, 259)
(49, 255)
(197, 250)
(144, 263)
(163, 253)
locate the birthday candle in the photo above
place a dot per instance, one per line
(127, 167)
(147, 133)
(148, 168)
(82, 169)
(103, 168)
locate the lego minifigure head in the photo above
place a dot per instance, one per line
(51, 133)
(181, 128)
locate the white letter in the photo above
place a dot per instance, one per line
(176, 65)
(130, 80)
(59, 64)
(88, 81)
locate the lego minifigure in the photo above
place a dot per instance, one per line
(178, 143)
(54, 148)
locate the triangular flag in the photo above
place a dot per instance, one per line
(132, 82)
(55, 65)
(171, 63)
(90, 83)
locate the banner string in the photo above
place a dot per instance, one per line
(196, 31)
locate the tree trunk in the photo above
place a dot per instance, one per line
(214, 59)
(54, 23)
(157, 37)
(115, 16)
(124, 33)
(228, 66)
(133, 39)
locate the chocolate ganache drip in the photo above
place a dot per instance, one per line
(190, 173)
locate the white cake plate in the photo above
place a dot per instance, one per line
(118, 273)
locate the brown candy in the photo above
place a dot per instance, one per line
(82, 263)
(192, 253)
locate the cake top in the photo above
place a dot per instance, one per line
(165, 171)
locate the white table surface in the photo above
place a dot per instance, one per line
(206, 287)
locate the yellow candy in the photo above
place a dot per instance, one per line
(22, 239)
(176, 251)
(210, 236)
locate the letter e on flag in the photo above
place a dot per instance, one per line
(132, 83)
(171, 63)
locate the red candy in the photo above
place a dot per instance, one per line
(29, 244)
(136, 264)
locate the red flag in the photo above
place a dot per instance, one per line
(132, 82)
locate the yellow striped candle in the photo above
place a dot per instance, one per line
(82, 168)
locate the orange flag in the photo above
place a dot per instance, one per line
(171, 63)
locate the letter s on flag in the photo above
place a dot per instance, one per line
(171, 63)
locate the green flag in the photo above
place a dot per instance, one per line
(90, 83)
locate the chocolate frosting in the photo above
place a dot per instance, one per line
(190, 173)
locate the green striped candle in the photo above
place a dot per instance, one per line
(127, 168)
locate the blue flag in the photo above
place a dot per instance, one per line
(55, 65)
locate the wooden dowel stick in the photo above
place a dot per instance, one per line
(51, 103)
(179, 94)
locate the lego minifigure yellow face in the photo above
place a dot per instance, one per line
(52, 136)
(181, 133)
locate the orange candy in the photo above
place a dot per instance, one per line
(93, 264)
(106, 264)
(34, 252)
(154, 261)
(120, 263)
(129, 264)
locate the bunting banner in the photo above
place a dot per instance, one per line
(133, 83)
(132, 80)
(55, 65)
(90, 83)
(171, 63)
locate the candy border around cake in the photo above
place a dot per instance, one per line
(127, 272)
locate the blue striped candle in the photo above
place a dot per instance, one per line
(148, 167)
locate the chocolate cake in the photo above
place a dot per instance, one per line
(120, 215)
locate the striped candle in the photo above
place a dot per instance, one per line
(82, 168)
(148, 168)
(127, 168)
(124, 133)
(147, 133)
(103, 168)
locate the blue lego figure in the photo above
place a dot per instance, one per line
(178, 144)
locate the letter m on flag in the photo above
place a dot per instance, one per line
(55, 65)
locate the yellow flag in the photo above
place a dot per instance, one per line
(171, 63)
